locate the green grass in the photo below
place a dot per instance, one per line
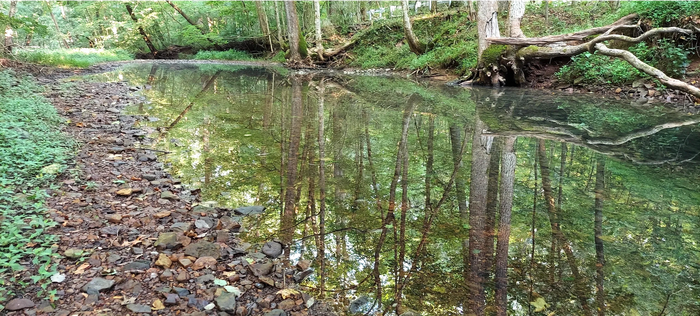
(76, 57)
(33, 151)
(230, 54)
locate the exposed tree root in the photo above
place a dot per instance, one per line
(527, 49)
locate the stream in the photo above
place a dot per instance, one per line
(605, 193)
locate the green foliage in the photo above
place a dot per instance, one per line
(230, 54)
(451, 39)
(492, 53)
(598, 69)
(32, 153)
(664, 13)
(76, 57)
(303, 47)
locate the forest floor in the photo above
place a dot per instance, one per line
(133, 239)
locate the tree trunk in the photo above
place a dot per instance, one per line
(8, 28)
(455, 140)
(262, 20)
(579, 283)
(413, 42)
(487, 24)
(492, 205)
(293, 31)
(508, 163)
(478, 191)
(144, 35)
(599, 253)
(317, 24)
(280, 40)
(55, 24)
(433, 6)
(515, 15)
(287, 222)
(402, 232)
(322, 188)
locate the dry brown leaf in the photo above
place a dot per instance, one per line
(81, 269)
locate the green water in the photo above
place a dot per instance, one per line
(231, 131)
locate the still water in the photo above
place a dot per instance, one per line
(437, 199)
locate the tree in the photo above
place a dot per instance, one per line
(262, 20)
(508, 163)
(516, 11)
(58, 31)
(599, 250)
(287, 222)
(317, 25)
(413, 42)
(8, 28)
(143, 33)
(297, 46)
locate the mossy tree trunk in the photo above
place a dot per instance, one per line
(293, 32)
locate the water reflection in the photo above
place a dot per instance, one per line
(443, 201)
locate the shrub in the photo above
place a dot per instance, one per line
(664, 13)
(230, 54)
(598, 69)
(75, 57)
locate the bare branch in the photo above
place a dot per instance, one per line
(656, 73)
(577, 36)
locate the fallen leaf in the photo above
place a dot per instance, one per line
(287, 293)
(81, 268)
(80, 124)
(539, 304)
(124, 192)
(158, 305)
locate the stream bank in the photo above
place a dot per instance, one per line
(132, 239)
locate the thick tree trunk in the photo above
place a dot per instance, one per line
(599, 253)
(8, 28)
(478, 191)
(143, 33)
(287, 222)
(515, 15)
(293, 31)
(317, 26)
(487, 24)
(508, 163)
(413, 42)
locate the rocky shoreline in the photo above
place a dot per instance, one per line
(134, 240)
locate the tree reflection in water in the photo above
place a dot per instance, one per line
(615, 205)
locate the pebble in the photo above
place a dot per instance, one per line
(204, 262)
(182, 276)
(138, 308)
(272, 249)
(182, 292)
(148, 176)
(276, 312)
(203, 249)
(168, 195)
(170, 240)
(113, 218)
(185, 262)
(226, 302)
(73, 253)
(164, 261)
(171, 299)
(19, 303)
(137, 265)
(97, 284)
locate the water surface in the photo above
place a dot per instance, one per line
(604, 194)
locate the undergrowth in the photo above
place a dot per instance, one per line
(230, 54)
(33, 151)
(76, 57)
(450, 37)
(594, 68)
